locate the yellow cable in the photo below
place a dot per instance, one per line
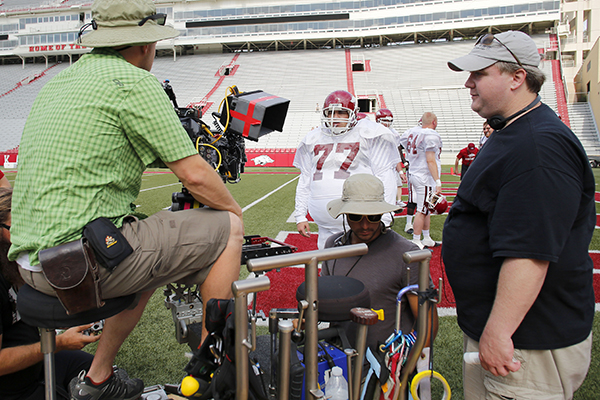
(207, 130)
(230, 90)
(414, 385)
(198, 144)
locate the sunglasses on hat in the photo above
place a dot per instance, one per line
(487, 40)
(160, 19)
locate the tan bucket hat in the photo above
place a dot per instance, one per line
(117, 23)
(362, 194)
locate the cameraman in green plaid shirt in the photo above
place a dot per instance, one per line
(91, 133)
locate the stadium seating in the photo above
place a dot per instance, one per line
(408, 79)
(582, 122)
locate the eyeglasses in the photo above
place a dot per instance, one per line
(7, 227)
(160, 19)
(488, 39)
(358, 217)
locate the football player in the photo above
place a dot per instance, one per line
(341, 146)
(385, 117)
(423, 148)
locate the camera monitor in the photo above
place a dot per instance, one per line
(254, 114)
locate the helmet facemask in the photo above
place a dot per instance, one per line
(437, 203)
(386, 121)
(331, 123)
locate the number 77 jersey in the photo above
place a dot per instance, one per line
(325, 161)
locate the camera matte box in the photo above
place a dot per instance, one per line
(254, 114)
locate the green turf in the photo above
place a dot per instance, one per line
(152, 353)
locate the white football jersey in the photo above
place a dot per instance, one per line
(325, 161)
(396, 136)
(417, 141)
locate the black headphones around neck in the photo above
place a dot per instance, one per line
(498, 122)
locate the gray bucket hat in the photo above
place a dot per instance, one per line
(362, 194)
(116, 23)
(511, 46)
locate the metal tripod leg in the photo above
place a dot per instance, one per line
(240, 291)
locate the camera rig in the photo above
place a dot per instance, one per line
(243, 116)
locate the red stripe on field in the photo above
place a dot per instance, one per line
(285, 282)
(265, 171)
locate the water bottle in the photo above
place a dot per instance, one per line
(337, 387)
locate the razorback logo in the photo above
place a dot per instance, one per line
(263, 160)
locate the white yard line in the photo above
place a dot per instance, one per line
(268, 194)
(159, 187)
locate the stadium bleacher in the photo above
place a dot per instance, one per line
(408, 79)
(27, 4)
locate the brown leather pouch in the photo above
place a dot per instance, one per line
(72, 271)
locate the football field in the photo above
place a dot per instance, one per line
(267, 197)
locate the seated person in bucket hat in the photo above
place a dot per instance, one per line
(382, 269)
(104, 120)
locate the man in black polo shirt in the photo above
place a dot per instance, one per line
(517, 258)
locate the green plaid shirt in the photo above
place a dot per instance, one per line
(90, 134)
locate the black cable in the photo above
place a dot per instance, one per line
(327, 356)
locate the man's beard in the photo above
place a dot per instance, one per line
(9, 269)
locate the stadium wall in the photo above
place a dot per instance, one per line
(270, 157)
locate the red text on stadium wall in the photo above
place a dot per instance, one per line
(53, 47)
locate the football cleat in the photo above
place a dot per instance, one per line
(428, 242)
(418, 243)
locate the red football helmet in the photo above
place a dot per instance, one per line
(336, 103)
(437, 203)
(360, 116)
(384, 117)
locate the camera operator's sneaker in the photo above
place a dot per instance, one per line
(117, 387)
(428, 242)
(408, 228)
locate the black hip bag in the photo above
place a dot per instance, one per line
(108, 243)
(72, 268)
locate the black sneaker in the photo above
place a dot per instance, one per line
(114, 388)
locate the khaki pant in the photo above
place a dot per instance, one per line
(544, 374)
(168, 247)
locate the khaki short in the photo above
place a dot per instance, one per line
(544, 374)
(168, 247)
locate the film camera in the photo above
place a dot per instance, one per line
(248, 115)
